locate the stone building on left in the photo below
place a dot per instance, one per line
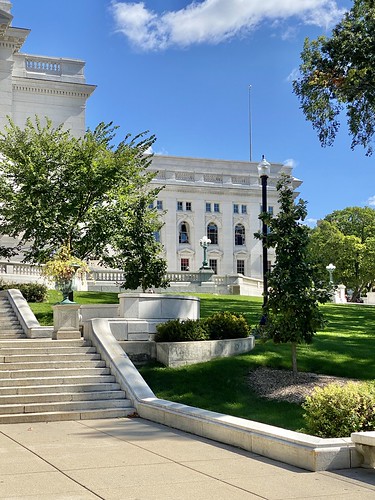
(32, 85)
(39, 85)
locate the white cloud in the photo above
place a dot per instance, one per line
(310, 222)
(290, 162)
(371, 201)
(213, 21)
(293, 75)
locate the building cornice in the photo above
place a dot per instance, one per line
(51, 87)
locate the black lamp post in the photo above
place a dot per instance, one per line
(264, 171)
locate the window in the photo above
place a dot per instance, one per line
(270, 209)
(151, 206)
(235, 209)
(157, 236)
(239, 235)
(216, 207)
(244, 209)
(188, 206)
(213, 265)
(241, 267)
(208, 207)
(179, 205)
(159, 204)
(185, 265)
(212, 233)
(269, 266)
(183, 233)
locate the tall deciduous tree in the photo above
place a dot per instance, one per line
(135, 249)
(60, 191)
(292, 311)
(338, 73)
(346, 238)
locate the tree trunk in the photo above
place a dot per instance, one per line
(294, 359)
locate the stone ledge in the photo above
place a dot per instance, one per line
(187, 353)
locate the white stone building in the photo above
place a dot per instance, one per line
(217, 198)
(38, 85)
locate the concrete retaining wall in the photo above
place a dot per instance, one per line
(188, 353)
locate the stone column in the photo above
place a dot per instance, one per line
(66, 321)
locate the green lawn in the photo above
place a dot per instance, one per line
(345, 348)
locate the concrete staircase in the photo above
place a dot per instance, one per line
(46, 380)
(10, 327)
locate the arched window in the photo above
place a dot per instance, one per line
(212, 233)
(239, 235)
(183, 233)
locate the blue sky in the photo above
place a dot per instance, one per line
(182, 70)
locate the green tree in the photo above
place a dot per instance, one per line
(346, 238)
(60, 191)
(292, 310)
(338, 73)
(134, 248)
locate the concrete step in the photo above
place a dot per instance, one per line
(56, 380)
(62, 388)
(68, 406)
(57, 372)
(12, 320)
(72, 415)
(73, 357)
(62, 397)
(12, 335)
(42, 343)
(46, 351)
(49, 365)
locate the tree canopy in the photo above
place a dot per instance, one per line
(338, 73)
(135, 250)
(346, 238)
(292, 310)
(60, 191)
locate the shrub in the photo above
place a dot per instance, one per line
(337, 411)
(180, 331)
(33, 292)
(226, 325)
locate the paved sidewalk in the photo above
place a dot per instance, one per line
(136, 459)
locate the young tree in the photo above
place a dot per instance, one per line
(135, 250)
(347, 239)
(59, 191)
(339, 73)
(292, 311)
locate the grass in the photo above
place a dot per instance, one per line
(345, 348)
(44, 313)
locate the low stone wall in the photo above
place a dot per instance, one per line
(188, 353)
(158, 306)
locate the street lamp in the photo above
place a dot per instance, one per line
(264, 171)
(330, 268)
(204, 242)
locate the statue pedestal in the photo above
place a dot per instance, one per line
(66, 321)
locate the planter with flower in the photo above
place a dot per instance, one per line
(64, 269)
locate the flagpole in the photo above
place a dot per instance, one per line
(250, 128)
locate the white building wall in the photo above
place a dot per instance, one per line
(227, 183)
(38, 85)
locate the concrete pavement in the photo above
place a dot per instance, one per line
(137, 459)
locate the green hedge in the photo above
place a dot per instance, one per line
(336, 411)
(33, 292)
(222, 325)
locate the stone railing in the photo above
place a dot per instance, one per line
(43, 67)
(14, 269)
(38, 65)
(109, 280)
